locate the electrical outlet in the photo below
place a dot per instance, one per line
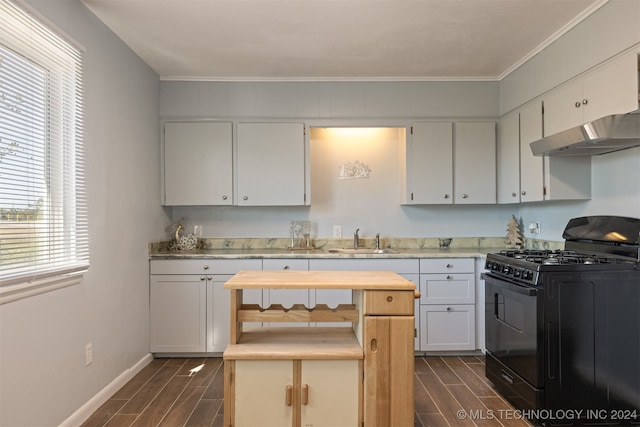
(534, 227)
(337, 231)
(88, 354)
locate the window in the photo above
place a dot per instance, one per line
(44, 241)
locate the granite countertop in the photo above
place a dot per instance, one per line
(401, 248)
(323, 253)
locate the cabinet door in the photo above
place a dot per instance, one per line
(508, 158)
(612, 89)
(389, 370)
(531, 167)
(447, 327)
(261, 393)
(430, 163)
(271, 164)
(330, 393)
(198, 163)
(474, 167)
(177, 313)
(563, 109)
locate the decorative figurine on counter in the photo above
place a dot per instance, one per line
(514, 235)
(183, 243)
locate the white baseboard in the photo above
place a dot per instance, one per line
(85, 411)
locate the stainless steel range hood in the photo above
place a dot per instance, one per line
(611, 133)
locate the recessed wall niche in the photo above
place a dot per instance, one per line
(354, 169)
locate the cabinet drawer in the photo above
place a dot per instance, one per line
(446, 265)
(395, 265)
(399, 303)
(285, 264)
(209, 266)
(454, 288)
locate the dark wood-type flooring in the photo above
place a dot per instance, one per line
(449, 391)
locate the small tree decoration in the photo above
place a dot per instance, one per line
(514, 236)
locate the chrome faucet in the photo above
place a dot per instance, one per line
(377, 241)
(356, 239)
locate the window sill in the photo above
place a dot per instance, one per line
(28, 289)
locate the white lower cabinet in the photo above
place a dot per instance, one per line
(447, 304)
(276, 392)
(177, 313)
(189, 307)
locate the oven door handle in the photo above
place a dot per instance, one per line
(514, 287)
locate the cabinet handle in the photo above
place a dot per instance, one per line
(305, 394)
(374, 345)
(224, 197)
(464, 196)
(288, 395)
(245, 198)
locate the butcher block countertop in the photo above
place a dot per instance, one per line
(290, 279)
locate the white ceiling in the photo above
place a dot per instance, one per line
(338, 39)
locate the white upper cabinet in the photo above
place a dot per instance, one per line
(198, 163)
(549, 178)
(443, 169)
(474, 163)
(610, 89)
(531, 167)
(429, 164)
(508, 158)
(272, 164)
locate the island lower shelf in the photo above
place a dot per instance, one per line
(321, 343)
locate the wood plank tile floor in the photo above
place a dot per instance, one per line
(449, 392)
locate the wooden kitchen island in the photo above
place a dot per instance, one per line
(322, 376)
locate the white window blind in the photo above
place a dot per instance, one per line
(43, 211)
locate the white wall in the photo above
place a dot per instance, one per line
(615, 186)
(43, 378)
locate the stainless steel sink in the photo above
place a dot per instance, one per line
(360, 251)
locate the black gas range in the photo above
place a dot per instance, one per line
(563, 326)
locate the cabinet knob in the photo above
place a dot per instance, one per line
(449, 277)
(577, 104)
(524, 193)
(448, 308)
(224, 197)
(449, 265)
(209, 278)
(245, 198)
(585, 101)
(202, 278)
(446, 196)
(286, 267)
(206, 267)
(513, 194)
(464, 196)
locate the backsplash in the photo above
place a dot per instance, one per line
(391, 243)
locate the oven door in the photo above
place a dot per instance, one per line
(514, 328)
